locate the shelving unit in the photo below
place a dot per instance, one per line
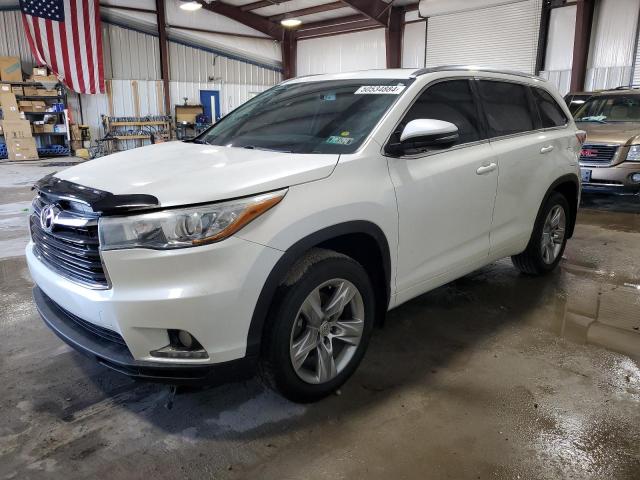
(49, 143)
(140, 129)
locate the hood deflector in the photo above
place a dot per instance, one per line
(100, 201)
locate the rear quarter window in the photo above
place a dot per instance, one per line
(551, 114)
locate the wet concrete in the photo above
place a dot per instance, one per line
(496, 375)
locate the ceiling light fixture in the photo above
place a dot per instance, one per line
(290, 22)
(190, 6)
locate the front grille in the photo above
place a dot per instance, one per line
(71, 251)
(594, 154)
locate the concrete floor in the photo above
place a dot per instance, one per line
(496, 376)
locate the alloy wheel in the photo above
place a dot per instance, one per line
(327, 331)
(553, 233)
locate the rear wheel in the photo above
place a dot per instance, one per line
(548, 240)
(319, 326)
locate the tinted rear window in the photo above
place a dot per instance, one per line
(507, 107)
(551, 115)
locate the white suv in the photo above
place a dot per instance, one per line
(278, 238)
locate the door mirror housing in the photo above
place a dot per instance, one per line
(424, 133)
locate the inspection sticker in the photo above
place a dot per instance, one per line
(380, 90)
(335, 140)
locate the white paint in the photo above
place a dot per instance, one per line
(413, 44)
(559, 53)
(562, 24)
(431, 8)
(342, 53)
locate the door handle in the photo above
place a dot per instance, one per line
(546, 149)
(486, 169)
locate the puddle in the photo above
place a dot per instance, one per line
(600, 308)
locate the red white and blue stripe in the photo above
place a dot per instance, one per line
(66, 36)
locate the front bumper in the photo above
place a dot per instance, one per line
(210, 291)
(117, 356)
(615, 179)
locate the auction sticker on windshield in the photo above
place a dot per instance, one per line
(380, 90)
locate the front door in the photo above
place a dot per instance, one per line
(445, 197)
(210, 100)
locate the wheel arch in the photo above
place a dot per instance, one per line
(358, 239)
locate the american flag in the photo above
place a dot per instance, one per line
(66, 36)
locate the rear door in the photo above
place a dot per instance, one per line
(529, 137)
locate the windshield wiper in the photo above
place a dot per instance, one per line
(253, 147)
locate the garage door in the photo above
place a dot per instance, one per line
(501, 36)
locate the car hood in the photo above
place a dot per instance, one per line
(179, 173)
(615, 133)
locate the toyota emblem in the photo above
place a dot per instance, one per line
(48, 216)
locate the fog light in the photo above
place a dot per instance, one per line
(635, 178)
(181, 345)
(185, 339)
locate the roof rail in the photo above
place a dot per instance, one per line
(473, 68)
(627, 87)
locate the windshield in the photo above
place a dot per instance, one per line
(610, 108)
(311, 117)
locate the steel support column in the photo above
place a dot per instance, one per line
(582, 38)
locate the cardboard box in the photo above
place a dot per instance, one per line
(16, 90)
(44, 79)
(30, 91)
(10, 69)
(5, 87)
(9, 106)
(40, 72)
(16, 129)
(41, 92)
(22, 149)
(35, 106)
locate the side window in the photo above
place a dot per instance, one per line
(507, 107)
(551, 115)
(451, 101)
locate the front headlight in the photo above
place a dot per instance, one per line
(634, 154)
(184, 227)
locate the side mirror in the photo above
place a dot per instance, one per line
(425, 133)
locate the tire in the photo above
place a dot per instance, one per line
(536, 259)
(295, 329)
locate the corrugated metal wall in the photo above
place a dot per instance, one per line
(413, 44)
(342, 53)
(132, 69)
(132, 63)
(559, 53)
(129, 54)
(636, 62)
(613, 39)
(13, 42)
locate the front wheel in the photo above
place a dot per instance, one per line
(319, 326)
(548, 240)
